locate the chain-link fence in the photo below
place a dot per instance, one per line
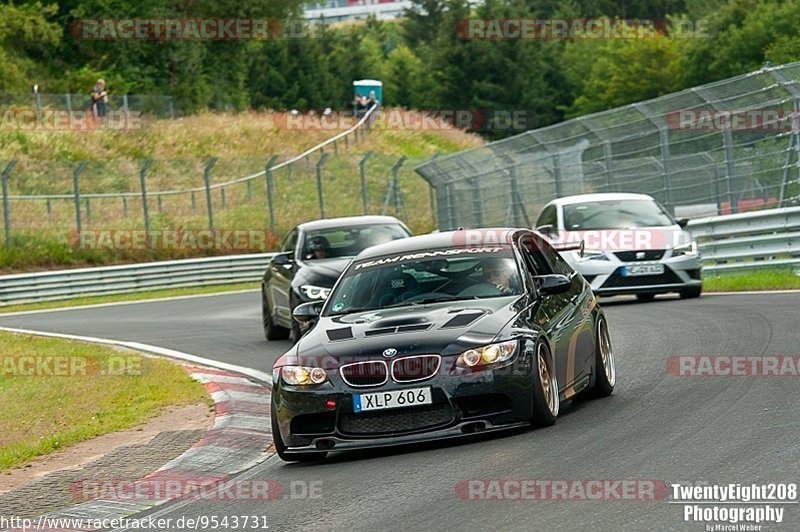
(724, 147)
(145, 104)
(59, 199)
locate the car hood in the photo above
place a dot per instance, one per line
(640, 238)
(327, 267)
(445, 328)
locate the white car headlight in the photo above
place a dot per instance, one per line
(689, 250)
(592, 254)
(486, 355)
(303, 375)
(315, 292)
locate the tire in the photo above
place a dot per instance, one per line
(280, 448)
(605, 369)
(691, 293)
(546, 401)
(645, 298)
(271, 331)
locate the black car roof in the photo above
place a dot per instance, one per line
(348, 221)
(448, 239)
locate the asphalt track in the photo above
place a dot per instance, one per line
(656, 426)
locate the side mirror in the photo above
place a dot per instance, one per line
(683, 222)
(283, 259)
(307, 311)
(554, 284)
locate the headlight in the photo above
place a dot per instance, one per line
(315, 292)
(592, 254)
(303, 376)
(689, 249)
(488, 354)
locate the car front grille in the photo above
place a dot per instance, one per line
(616, 280)
(631, 256)
(363, 374)
(415, 368)
(395, 421)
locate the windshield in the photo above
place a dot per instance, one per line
(338, 242)
(426, 277)
(615, 214)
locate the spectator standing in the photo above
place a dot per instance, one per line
(99, 99)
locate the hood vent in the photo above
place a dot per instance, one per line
(345, 333)
(399, 329)
(462, 320)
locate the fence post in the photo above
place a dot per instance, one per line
(363, 171)
(250, 191)
(608, 160)
(398, 194)
(477, 211)
(270, 206)
(125, 107)
(49, 212)
(88, 210)
(664, 135)
(69, 103)
(194, 202)
(207, 180)
(320, 163)
(730, 170)
(336, 147)
(124, 207)
(77, 194)
(143, 184)
(222, 194)
(6, 206)
(160, 204)
(557, 176)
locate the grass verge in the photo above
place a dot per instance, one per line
(78, 391)
(766, 279)
(135, 296)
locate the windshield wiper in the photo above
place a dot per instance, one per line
(437, 299)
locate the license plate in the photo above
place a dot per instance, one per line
(642, 269)
(392, 399)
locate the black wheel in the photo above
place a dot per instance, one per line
(280, 448)
(605, 369)
(271, 331)
(644, 298)
(691, 293)
(545, 388)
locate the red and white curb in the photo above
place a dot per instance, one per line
(238, 439)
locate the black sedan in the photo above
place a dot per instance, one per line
(429, 338)
(311, 258)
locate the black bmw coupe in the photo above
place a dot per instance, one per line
(435, 337)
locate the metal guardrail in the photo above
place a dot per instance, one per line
(769, 238)
(759, 239)
(67, 284)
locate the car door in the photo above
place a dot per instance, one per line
(576, 347)
(280, 282)
(557, 310)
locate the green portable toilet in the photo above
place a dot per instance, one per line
(365, 86)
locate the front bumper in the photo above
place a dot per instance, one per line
(463, 404)
(606, 276)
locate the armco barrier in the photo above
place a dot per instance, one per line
(67, 284)
(769, 238)
(735, 242)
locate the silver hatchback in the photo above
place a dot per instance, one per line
(631, 244)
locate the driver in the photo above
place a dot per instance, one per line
(318, 248)
(496, 272)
